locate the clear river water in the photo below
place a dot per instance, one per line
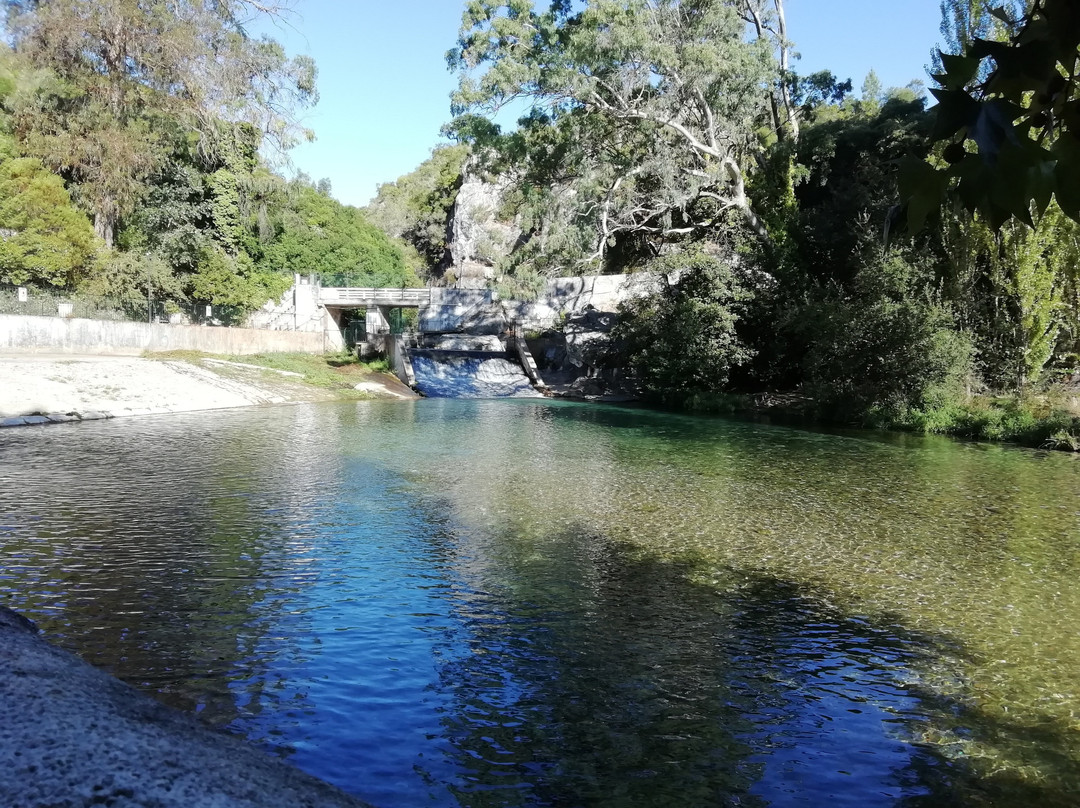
(531, 603)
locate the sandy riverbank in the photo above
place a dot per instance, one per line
(108, 386)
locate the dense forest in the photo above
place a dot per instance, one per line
(882, 260)
(140, 148)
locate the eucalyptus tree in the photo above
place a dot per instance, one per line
(643, 115)
(107, 84)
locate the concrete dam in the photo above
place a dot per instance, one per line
(464, 345)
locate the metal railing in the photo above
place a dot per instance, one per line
(38, 302)
(360, 296)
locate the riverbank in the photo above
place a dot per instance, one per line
(1038, 422)
(36, 389)
(78, 736)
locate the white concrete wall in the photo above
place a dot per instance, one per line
(298, 310)
(450, 308)
(59, 335)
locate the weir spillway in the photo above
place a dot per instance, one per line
(443, 359)
(466, 366)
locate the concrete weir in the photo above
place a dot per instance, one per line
(73, 736)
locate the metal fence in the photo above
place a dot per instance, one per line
(34, 301)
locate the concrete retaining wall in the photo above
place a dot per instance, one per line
(450, 309)
(58, 335)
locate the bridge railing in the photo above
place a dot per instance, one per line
(360, 296)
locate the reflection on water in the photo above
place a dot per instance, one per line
(488, 603)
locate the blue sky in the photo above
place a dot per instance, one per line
(385, 88)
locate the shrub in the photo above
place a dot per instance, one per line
(681, 339)
(885, 349)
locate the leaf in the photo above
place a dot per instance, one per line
(1066, 171)
(1042, 185)
(922, 186)
(993, 127)
(959, 70)
(974, 184)
(955, 110)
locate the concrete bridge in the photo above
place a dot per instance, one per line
(440, 309)
(311, 307)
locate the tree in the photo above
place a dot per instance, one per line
(643, 113)
(1009, 112)
(44, 239)
(872, 93)
(417, 206)
(319, 235)
(107, 83)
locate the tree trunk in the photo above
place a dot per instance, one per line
(785, 56)
(105, 222)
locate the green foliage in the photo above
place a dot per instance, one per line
(872, 94)
(1008, 110)
(1008, 290)
(322, 236)
(682, 339)
(226, 280)
(131, 278)
(643, 116)
(416, 207)
(44, 239)
(320, 371)
(103, 87)
(850, 184)
(884, 346)
(1013, 419)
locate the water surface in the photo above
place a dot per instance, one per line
(503, 603)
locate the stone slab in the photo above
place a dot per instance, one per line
(74, 736)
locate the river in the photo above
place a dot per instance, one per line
(524, 602)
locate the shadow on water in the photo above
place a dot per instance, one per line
(517, 603)
(598, 675)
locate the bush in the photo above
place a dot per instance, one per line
(45, 239)
(885, 349)
(681, 339)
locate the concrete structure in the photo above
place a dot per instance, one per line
(301, 309)
(74, 736)
(310, 318)
(440, 309)
(376, 303)
(27, 334)
(397, 353)
(562, 297)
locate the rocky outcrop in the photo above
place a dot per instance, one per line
(73, 736)
(575, 361)
(478, 237)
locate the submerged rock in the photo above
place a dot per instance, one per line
(74, 736)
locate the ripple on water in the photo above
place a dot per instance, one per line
(534, 603)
